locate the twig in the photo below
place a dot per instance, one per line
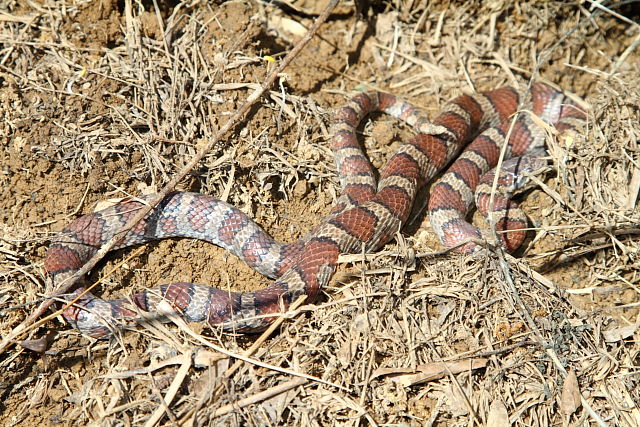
(233, 121)
(259, 397)
(68, 304)
(188, 419)
(157, 415)
(263, 337)
(625, 54)
(167, 309)
(536, 333)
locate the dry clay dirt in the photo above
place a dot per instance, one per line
(81, 124)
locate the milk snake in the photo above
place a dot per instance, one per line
(367, 215)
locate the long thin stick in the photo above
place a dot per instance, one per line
(233, 121)
(259, 397)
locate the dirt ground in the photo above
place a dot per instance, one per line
(104, 99)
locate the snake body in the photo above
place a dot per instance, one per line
(367, 214)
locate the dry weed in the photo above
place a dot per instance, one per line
(110, 98)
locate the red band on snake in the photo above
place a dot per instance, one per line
(367, 214)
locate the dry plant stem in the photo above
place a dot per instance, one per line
(87, 290)
(233, 121)
(222, 350)
(259, 397)
(506, 271)
(496, 178)
(538, 337)
(173, 390)
(597, 5)
(623, 58)
(275, 325)
(456, 383)
(515, 295)
(189, 417)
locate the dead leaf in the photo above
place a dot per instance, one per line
(498, 415)
(344, 353)
(107, 203)
(287, 27)
(39, 345)
(570, 397)
(429, 372)
(456, 401)
(206, 358)
(618, 334)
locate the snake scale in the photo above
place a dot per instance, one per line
(367, 214)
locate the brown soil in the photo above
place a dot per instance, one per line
(97, 104)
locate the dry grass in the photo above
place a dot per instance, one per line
(94, 100)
